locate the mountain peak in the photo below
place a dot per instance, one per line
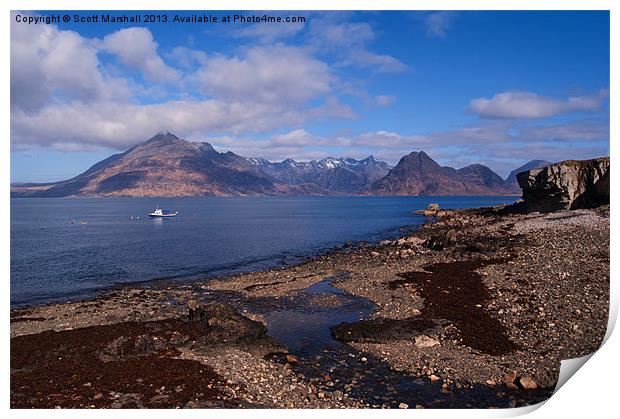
(163, 137)
(204, 146)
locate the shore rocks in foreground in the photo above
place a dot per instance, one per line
(571, 184)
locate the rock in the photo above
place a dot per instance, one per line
(433, 377)
(293, 359)
(192, 304)
(430, 211)
(450, 238)
(491, 383)
(440, 242)
(403, 406)
(527, 383)
(424, 341)
(570, 184)
(414, 240)
(510, 377)
(227, 325)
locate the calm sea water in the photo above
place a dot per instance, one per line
(63, 249)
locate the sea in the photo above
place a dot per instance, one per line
(65, 249)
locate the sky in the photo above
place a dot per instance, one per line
(498, 88)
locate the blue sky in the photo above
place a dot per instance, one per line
(498, 88)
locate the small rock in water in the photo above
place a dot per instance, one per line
(403, 406)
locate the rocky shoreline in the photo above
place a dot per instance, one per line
(475, 309)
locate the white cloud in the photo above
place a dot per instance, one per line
(136, 48)
(348, 40)
(529, 105)
(384, 100)
(500, 146)
(378, 62)
(119, 125)
(45, 60)
(186, 57)
(64, 98)
(276, 74)
(334, 35)
(438, 23)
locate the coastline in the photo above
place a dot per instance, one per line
(508, 298)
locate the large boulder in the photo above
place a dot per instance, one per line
(570, 184)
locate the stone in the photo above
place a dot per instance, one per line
(192, 304)
(414, 240)
(424, 341)
(527, 383)
(403, 406)
(430, 211)
(510, 377)
(441, 241)
(433, 377)
(568, 185)
(450, 239)
(293, 359)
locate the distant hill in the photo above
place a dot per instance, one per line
(532, 164)
(166, 165)
(162, 166)
(418, 174)
(330, 174)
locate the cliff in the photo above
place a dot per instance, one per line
(570, 184)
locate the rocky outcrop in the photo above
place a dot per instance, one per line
(570, 184)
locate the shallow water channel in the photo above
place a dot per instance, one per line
(302, 322)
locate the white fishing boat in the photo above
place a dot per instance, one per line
(159, 213)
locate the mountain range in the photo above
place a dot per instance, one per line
(166, 165)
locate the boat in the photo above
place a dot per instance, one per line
(159, 213)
